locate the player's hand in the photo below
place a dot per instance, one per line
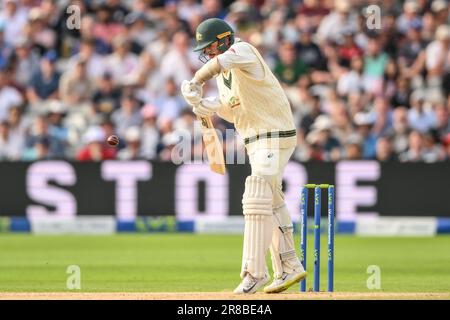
(192, 92)
(207, 107)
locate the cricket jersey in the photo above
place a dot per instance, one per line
(253, 99)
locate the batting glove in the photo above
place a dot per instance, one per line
(207, 107)
(192, 92)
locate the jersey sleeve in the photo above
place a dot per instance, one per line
(240, 56)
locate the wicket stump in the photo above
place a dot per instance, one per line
(304, 231)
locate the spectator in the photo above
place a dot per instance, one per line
(446, 143)
(6, 147)
(169, 141)
(139, 31)
(309, 118)
(122, 63)
(342, 124)
(187, 122)
(309, 52)
(355, 103)
(409, 16)
(384, 150)
(353, 148)
(188, 8)
(17, 129)
(289, 67)
(341, 18)
(390, 76)
(109, 129)
(95, 63)
(429, 26)
(180, 61)
(75, 86)
(128, 115)
(9, 96)
(364, 124)
(402, 95)
(382, 116)
(420, 116)
(433, 152)
(301, 98)
(38, 30)
(53, 17)
(105, 28)
(325, 145)
(442, 120)
(87, 31)
(132, 150)
(213, 9)
(375, 61)
(106, 98)
(95, 148)
(40, 150)
(56, 128)
(440, 11)
(148, 78)
(348, 50)
(351, 80)
(39, 134)
(311, 12)
(6, 49)
(416, 150)
(150, 133)
(26, 62)
(438, 59)
(170, 103)
(243, 15)
(117, 9)
(400, 130)
(14, 18)
(44, 84)
(413, 46)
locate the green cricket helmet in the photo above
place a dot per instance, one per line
(212, 30)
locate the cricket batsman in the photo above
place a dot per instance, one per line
(252, 98)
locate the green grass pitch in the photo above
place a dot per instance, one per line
(189, 263)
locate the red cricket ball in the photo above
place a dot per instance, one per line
(113, 140)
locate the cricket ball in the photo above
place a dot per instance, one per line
(113, 140)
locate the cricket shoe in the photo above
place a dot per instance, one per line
(250, 284)
(286, 281)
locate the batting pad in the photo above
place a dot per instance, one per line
(282, 248)
(257, 209)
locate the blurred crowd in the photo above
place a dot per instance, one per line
(74, 72)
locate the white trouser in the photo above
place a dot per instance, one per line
(270, 164)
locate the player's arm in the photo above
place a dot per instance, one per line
(207, 71)
(239, 56)
(192, 90)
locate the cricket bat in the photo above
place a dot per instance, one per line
(213, 146)
(212, 143)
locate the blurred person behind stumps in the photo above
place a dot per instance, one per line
(251, 97)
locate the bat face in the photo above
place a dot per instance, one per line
(213, 146)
